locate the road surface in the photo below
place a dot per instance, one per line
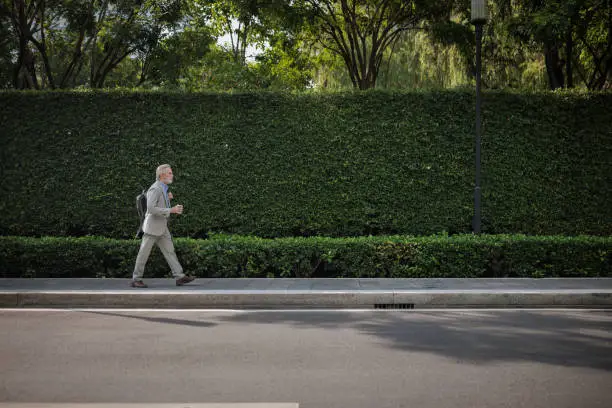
(315, 359)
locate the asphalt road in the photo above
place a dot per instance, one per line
(335, 359)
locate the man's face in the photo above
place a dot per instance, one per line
(167, 177)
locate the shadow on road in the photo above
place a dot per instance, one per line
(563, 338)
(167, 320)
(581, 339)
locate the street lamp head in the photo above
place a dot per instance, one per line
(479, 12)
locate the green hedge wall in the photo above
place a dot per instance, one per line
(439, 256)
(276, 165)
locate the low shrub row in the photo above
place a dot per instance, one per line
(232, 256)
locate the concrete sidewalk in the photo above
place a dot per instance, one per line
(309, 293)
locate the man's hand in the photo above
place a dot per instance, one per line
(170, 197)
(177, 209)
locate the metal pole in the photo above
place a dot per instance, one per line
(476, 221)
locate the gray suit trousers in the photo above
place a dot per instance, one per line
(164, 242)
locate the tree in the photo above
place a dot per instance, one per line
(8, 46)
(286, 64)
(360, 31)
(247, 22)
(26, 19)
(567, 42)
(62, 37)
(593, 22)
(175, 58)
(572, 33)
(132, 26)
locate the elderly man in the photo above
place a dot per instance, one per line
(155, 228)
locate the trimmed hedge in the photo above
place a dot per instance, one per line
(274, 165)
(438, 256)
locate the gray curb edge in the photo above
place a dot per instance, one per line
(312, 299)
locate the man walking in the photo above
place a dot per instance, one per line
(155, 228)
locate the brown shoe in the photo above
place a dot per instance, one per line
(185, 279)
(138, 284)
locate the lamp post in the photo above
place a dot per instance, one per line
(479, 18)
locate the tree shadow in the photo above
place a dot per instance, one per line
(479, 337)
(166, 320)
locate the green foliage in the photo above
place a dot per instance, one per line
(226, 256)
(284, 66)
(173, 62)
(417, 62)
(219, 71)
(276, 165)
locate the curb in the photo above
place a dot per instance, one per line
(396, 299)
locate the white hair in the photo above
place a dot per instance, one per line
(163, 169)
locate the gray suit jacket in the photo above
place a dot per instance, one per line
(158, 211)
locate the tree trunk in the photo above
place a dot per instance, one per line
(25, 71)
(42, 47)
(76, 58)
(43, 53)
(569, 51)
(554, 67)
(94, 46)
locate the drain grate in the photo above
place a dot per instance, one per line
(394, 306)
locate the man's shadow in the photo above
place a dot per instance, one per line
(166, 320)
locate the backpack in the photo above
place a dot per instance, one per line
(141, 207)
